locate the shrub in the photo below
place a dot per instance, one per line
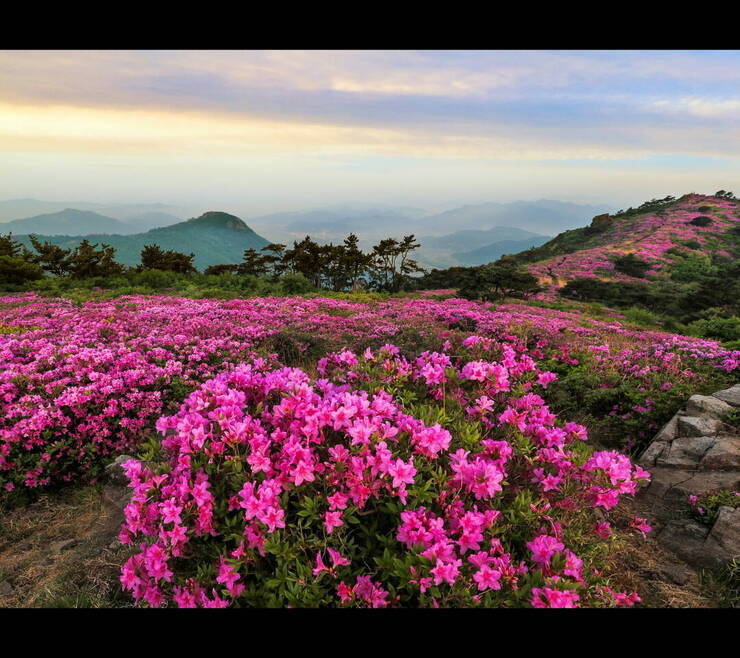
(692, 267)
(631, 265)
(705, 506)
(701, 220)
(718, 327)
(15, 270)
(443, 481)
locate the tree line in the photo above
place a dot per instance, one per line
(388, 267)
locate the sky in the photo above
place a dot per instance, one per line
(263, 131)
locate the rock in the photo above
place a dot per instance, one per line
(601, 223)
(64, 545)
(676, 574)
(697, 426)
(729, 395)
(669, 431)
(707, 405)
(114, 471)
(115, 498)
(6, 589)
(724, 455)
(685, 539)
(663, 480)
(723, 542)
(653, 452)
(686, 452)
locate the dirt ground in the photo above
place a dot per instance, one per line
(62, 551)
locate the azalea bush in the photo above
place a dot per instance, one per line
(705, 506)
(442, 480)
(84, 381)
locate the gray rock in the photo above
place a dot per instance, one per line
(724, 455)
(685, 452)
(114, 471)
(6, 589)
(685, 539)
(707, 405)
(653, 452)
(115, 498)
(669, 431)
(729, 395)
(697, 426)
(723, 542)
(63, 545)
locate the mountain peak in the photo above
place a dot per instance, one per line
(217, 219)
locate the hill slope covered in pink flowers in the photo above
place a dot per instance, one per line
(661, 237)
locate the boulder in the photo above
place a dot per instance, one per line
(697, 426)
(723, 542)
(707, 405)
(730, 395)
(114, 471)
(685, 538)
(724, 455)
(653, 452)
(669, 431)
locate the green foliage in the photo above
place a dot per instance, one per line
(643, 317)
(706, 506)
(631, 265)
(17, 271)
(701, 220)
(690, 267)
(725, 329)
(155, 258)
(654, 205)
(504, 278)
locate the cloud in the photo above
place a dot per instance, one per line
(343, 112)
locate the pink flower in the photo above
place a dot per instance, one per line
(332, 520)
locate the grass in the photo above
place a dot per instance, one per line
(83, 576)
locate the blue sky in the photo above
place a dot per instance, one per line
(282, 130)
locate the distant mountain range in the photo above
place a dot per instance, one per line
(468, 235)
(543, 216)
(214, 238)
(12, 209)
(494, 251)
(72, 221)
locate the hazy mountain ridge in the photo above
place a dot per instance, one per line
(494, 251)
(214, 238)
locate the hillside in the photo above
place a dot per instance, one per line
(670, 237)
(68, 222)
(494, 251)
(214, 238)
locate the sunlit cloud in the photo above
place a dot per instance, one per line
(422, 114)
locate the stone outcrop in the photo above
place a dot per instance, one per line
(696, 451)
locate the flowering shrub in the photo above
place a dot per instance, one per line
(439, 481)
(81, 383)
(705, 506)
(649, 237)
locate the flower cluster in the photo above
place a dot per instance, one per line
(385, 482)
(81, 383)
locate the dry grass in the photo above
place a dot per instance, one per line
(40, 575)
(642, 564)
